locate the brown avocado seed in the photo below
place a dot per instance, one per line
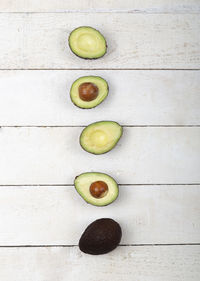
(98, 189)
(88, 91)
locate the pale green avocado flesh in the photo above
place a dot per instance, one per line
(82, 184)
(101, 84)
(100, 137)
(87, 42)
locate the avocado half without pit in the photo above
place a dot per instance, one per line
(87, 42)
(96, 188)
(100, 237)
(88, 91)
(100, 137)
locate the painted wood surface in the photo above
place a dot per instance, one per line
(167, 6)
(38, 204)
(134, 40)
(57, 215)
(124, 264)
(143, 156)
(135, 98)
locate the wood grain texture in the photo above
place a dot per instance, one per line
(134, 41)
(124, 264)
(168, 6)
(144, 97)
(147, 34)
(143, 155)
(57, 215)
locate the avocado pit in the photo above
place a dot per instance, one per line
(88, 91)
(98, 189)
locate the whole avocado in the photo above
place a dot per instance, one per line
(100, 237)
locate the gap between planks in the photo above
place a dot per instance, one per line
(121, 245)
(83, 126)
(151, 11)
(120, 184)
(91, 69)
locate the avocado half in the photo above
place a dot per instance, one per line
(83, 182)
(101, 84)
(87, 42)
(100, 137)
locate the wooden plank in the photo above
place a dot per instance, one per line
(124, 264)
(57, 215)
(145, 97)
(54, 156)
(30, 41)
(169, 6)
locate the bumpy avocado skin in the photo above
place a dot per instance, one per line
(71, 48)
(88, 81)
(99, 200)
(114, 144)
(100, 237)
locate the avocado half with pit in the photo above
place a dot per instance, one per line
(87, 42)
(100, 137)
(96, 188)
(88, 91)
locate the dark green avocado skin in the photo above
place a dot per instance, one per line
(100, 237)
(83, 57)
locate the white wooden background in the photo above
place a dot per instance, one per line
(153, 70)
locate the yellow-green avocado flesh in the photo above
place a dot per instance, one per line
(82, 184)
(101, 84)
(87, 42)
(100, 137)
